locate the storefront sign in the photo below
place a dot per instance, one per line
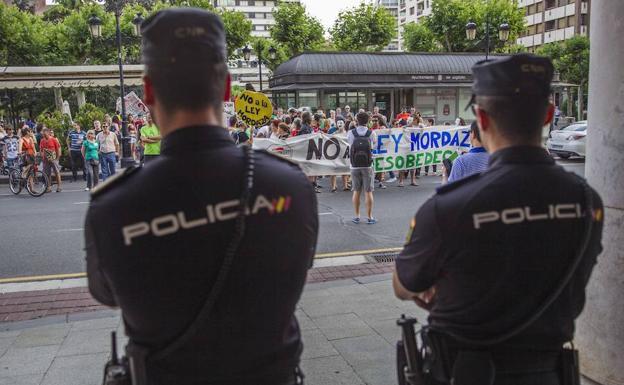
(396, 149)
(254, 108)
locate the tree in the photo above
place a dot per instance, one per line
(448, 19)
(295, 29)
(237, 30)
(571, 59)
(418, 38)
(365, 28)
(263, 45)
(24, 38)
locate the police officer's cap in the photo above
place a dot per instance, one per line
(183, 37)
(516, 75)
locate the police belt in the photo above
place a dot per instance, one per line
(525, 361)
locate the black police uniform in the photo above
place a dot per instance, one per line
(495, 245)
(156, 237)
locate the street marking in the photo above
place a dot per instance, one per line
(81, 203)
(358, 252)
(67, 230)
(42, 277)
(325, 214)
(354, 253)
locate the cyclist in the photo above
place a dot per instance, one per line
(27, 149)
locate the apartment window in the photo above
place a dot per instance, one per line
(540, 28)
(251, 2)
(411, 10)
(237, 3)
(531, 9)
(583, 19)
(252, 15)
(571, 21)
(540, 7)
(532, 29)
(551, 4)
(550, 25)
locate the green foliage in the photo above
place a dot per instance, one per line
(418, 38)
(237, 30)
(262, 45)
(295, 29)
(448, 20)
(87, 114)
(365, 28)
(570, 58)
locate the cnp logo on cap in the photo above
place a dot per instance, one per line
(189, 31)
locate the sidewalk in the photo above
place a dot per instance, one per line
(348, 326)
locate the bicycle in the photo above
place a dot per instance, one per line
(35, 181)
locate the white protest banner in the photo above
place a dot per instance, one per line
(395, 149)
(134, 105)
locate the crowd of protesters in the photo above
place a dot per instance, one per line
(340, 121)
(94, 150)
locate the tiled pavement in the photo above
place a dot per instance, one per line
(348, 326)
(21, 306)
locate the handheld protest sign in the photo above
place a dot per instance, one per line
(254, 108)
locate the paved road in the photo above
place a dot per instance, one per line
(42, 236)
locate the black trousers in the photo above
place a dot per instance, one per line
(77, 160)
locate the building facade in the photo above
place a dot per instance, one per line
(260, 12)
(411, 11)
(549, 21)
(393, 7)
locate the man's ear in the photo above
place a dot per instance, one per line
(550, 114)
(228, 88)
(483, 120)
(148, 92)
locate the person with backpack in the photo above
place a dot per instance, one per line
(361, 141)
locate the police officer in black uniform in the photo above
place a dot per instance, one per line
(486, 251)
(156, 236)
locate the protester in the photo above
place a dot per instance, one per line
(150, 137)
(339, 115)
(474, 162)
(132, 133)
(90, 150)
(361, 141)
(339, 131)
(10, 149)
(296, 127)
(347, 113)
(283, 131)
(51, 151)
(109, 151)
(75, 137)
(306, 124)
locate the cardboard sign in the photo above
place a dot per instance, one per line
(134, 105)
(254, 108)
(228, 112)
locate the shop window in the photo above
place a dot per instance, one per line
(465, 94)
(308, 99)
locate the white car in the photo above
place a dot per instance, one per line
(568, 141)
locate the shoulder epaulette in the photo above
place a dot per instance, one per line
(113, 181)
(458, 183)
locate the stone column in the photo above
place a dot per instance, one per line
(58, 99)
(80, 97)
(600, 329)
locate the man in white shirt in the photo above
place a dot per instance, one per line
(361, 142)
(109, 151)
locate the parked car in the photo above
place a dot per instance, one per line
(568, 141)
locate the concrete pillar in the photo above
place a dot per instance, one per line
(80, 98)
(600, 329)
(58, 99)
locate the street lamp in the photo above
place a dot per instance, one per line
(503, 33)
(247, 55)
(95, 28)
(137, 21)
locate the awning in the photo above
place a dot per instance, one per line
(361, 86)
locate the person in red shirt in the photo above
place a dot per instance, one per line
(51, 152)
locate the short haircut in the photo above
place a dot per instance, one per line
(306, 117)
(297, 122)
(287, 119)
(195, 88)
(284, 127)
(362, 118)
(517, 118)
(232, 121)
(474, 129)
